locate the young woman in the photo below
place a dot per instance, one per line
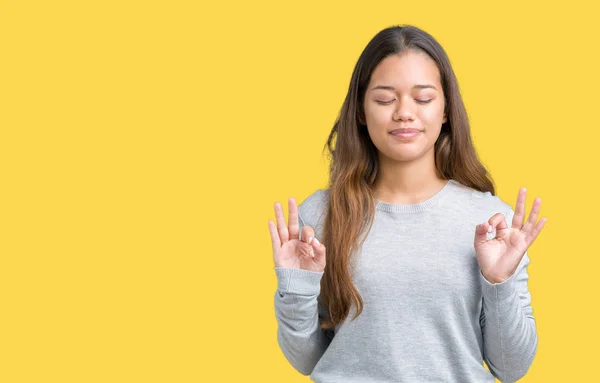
(408, 268)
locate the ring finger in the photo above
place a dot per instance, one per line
(533, 216)
(281, 226)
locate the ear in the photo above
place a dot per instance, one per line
(445, 119)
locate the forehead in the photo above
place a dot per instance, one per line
(402, 72)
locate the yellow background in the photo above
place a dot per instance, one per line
(143, 144)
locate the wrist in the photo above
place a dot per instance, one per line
(493, 280)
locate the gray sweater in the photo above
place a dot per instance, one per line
(429, 315)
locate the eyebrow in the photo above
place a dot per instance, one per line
(418, 86)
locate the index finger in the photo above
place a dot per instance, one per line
(294, 228)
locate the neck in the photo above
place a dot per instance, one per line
(407, 182)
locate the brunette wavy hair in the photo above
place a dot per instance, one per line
(354, 164)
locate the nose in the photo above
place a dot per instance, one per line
(404, 111)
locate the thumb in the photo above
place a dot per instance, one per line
(307, 233)
(319, 250)
(481, 232)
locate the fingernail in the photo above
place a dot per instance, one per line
(317, 242)
(490, 229)
(310, 240)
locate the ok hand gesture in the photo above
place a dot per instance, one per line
(499, 257)
(288, 250)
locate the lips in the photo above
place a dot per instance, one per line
(404, 131)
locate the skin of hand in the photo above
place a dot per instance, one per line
(499, 257)
(288, 250)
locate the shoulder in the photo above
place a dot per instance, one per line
(487, 204)
(314, 207)
(478, 205)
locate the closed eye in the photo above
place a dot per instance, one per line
(389, 102)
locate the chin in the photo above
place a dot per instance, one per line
(405, 157)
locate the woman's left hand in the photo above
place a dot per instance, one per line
(499, 257)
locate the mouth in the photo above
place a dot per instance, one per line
(405, 133)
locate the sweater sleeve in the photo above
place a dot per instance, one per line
(507, 323)
(300, 337)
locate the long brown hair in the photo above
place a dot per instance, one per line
(354, 164)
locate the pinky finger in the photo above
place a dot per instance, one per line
(275, 241)
(538, 228)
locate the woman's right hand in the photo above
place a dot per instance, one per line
(288, 250)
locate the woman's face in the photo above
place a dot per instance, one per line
(405, 93)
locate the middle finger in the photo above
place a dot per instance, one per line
(294, 228)
(519, 216)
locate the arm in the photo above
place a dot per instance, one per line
(297, 306)
(300, 337)
(507, 323)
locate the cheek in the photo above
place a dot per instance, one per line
(432, 116)
(379, 117)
